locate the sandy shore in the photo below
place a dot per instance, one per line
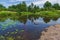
(51, 33)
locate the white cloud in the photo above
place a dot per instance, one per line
(19, 0)
(41, 2)
(16, 0)
(36, 2)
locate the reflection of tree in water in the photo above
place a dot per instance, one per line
(2, 19)
(55, 18)
(25, 35)
(22, 19)
(33, 16)
(46, 19)
(30, 17)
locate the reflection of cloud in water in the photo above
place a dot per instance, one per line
(38, 21)
(30, 30)
(29, 22)
(58, 21)
(52, 22)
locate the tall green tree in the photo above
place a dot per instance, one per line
(31, 7)
(47, 5)
(12, 8)
(2, 7)
(22, 7)
(36, 9)
(56, 6)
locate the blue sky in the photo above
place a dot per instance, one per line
(36, 2)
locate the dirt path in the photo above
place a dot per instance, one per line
(51, 33)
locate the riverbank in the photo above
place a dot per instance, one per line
(51, 33)
(41, 13)
(19, 15)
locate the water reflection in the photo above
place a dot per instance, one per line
(24, 28)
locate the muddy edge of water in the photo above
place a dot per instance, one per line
(51, 33)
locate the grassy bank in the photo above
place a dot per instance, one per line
(49, 13)
(21, 15)
(41, 13)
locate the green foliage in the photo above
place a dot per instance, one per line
(36, 9)
(51, 14)
(47, 5)
(22, 10)
(12, 8)
(2, 7)
(22, 7)
(56, 6)
(31, 7)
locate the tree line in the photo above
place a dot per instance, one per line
(22, 7)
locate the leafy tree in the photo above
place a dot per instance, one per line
(12, 8)
(18, 6)
(31, 7)
(56, 6)
(2, 7)
(47, 5)
(22, 7)
(36, 9)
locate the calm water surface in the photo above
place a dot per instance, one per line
(25, 30)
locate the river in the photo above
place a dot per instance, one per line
(29, 29)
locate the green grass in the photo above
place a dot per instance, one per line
(20, 15)
(49, 13)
